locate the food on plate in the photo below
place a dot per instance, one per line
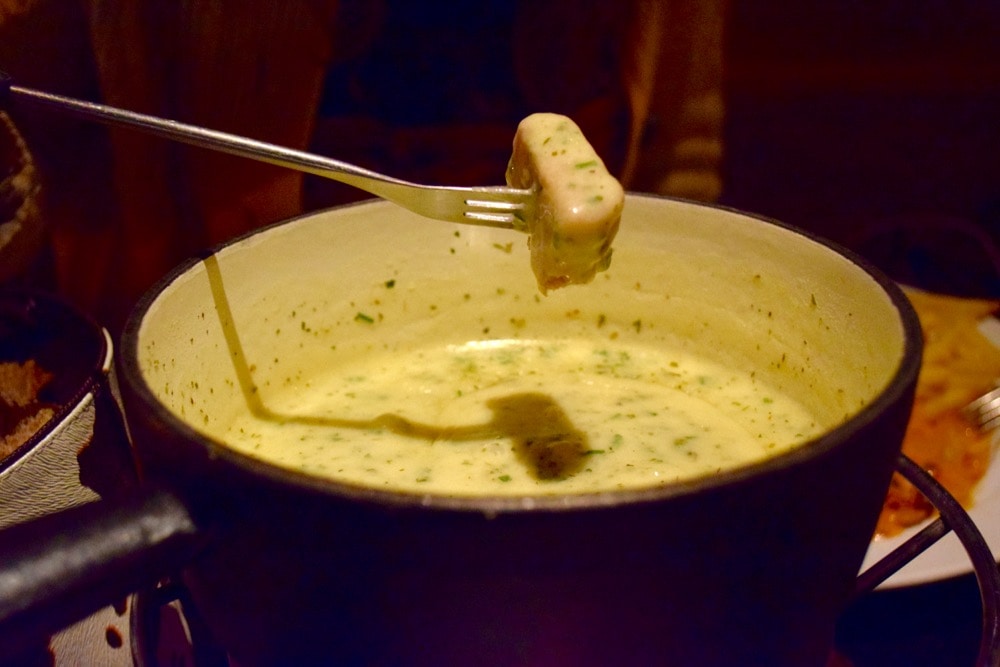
(579, 203)
(21, 412)
(959, 364)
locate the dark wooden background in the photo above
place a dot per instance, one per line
(862, 119)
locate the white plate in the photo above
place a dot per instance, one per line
(947, 557)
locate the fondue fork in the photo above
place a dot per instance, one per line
(985, 410)
(490, 206)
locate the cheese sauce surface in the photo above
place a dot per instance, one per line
(524, 417)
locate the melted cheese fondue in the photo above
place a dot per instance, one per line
(523, 417)
(433, 366)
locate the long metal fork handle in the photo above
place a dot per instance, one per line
(497, 206)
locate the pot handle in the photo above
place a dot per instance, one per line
(62, 567)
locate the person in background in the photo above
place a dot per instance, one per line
(430, 92)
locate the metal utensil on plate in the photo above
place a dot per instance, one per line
(491, 206)
(984, 411)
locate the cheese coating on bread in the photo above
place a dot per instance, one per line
(579, 202)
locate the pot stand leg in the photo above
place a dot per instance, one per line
(953, 518)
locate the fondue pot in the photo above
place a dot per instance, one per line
(750, 565)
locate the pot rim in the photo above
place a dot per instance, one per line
(902, 380)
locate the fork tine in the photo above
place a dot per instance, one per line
(990, 415)
(989, 397)
(501, 207)
(495, 205)
(504, 220)
(985, 410)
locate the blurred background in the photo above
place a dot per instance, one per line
(874, 123)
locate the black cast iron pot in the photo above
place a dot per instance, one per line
(748, 566)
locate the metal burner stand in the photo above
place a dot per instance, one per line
(952, 517)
